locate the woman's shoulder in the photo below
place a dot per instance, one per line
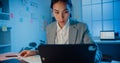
(51, 25)
(78, 23)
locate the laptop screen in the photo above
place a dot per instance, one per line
(107, 35)
(84, 53)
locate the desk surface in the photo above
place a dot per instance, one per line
(3, 56)
(33, 59)
(97, 40)
(30, 59)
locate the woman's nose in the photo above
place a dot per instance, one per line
(61, 16)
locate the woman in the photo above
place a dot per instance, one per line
(64, 30)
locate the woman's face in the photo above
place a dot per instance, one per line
(61, 12)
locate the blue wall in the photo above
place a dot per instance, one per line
(28, 21)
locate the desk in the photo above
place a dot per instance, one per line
(97, 40)
(30, 59)
(3, 56)
(109, 48)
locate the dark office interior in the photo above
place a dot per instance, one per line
(23, 24)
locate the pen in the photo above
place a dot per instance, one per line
(11, 56)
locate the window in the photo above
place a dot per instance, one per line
(101, 15)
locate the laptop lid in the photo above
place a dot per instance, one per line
(84, 53)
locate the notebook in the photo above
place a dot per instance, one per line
(78, 53)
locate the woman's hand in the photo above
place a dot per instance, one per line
(27, 53)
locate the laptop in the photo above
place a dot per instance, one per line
(76, 53)
(107, 35)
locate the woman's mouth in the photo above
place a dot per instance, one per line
(61, 21)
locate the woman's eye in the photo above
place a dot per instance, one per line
(56, 12)
(65, 11)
